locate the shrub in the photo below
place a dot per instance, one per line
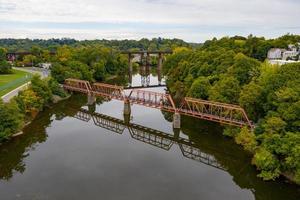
(247, 139)
(267, 163)
(11, 119)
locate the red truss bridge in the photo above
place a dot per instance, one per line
(207, 110)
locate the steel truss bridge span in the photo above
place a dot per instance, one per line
(207, 110)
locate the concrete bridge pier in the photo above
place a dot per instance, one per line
(148, 59)
(142, 59)
(176, 120)
(127, 107)
(91, 99)
(92, 108)
(130, 57)
(160, 61)
(176, 132)
(159, 77)
(127, 119)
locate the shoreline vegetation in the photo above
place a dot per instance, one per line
(22, 109)
(229, 70)
(226, 71)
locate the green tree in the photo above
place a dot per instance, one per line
(99, 74)
(267, 163)
(244, 68)
(247, 139)
(11, 119)
(200, 88)
(30, 60)
(226, 90)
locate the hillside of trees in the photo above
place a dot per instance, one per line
(230, 70)
(21, 45)
(255, 47)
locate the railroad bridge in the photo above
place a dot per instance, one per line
(206, 110)
(145, 55)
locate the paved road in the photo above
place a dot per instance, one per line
(34, 70)
(42, 72)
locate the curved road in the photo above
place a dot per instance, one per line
(42, 72)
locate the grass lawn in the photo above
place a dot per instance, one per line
(8, 82)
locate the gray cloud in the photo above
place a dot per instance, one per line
(206, 18)
(7, 7)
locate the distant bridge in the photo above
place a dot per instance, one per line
(149, 136)
(144, 54)
(207, 110)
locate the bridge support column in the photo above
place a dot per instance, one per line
(91, 99)
(148, 59)
(142, 59)
(176, 120)
(130, 62)
(127, 107)
(160, 60)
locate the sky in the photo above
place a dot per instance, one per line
(190, 20)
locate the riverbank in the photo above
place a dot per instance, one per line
(56, 99)
(23, 108)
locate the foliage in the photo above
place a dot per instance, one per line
(55, 88)
(5, 67)
(41, 88)
(30, 60)
(228, 70)
(87, 63)
(247, 139)
(267, 163)
(11, 119)
(226, 90)
(26, 105)
(200, 88)
(52, 44)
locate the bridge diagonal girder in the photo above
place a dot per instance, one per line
(214, 111)
(77, 85)
(152, 99)
(112, 91)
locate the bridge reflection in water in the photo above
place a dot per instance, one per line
(150, 136)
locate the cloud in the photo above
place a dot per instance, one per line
(192, 20)
(6, 7)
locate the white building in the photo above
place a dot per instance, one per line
(283, 54)
(289, 54)
(275, 54)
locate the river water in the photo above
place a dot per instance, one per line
(74, 151)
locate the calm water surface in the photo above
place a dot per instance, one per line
(74, 151)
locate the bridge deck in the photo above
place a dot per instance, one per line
(206, 110)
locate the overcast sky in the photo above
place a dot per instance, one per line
(191, 20)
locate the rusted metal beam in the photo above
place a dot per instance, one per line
(202, 109)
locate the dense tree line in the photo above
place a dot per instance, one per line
(92, 63)
(255, 47)
(19, 45)
(270, 94)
